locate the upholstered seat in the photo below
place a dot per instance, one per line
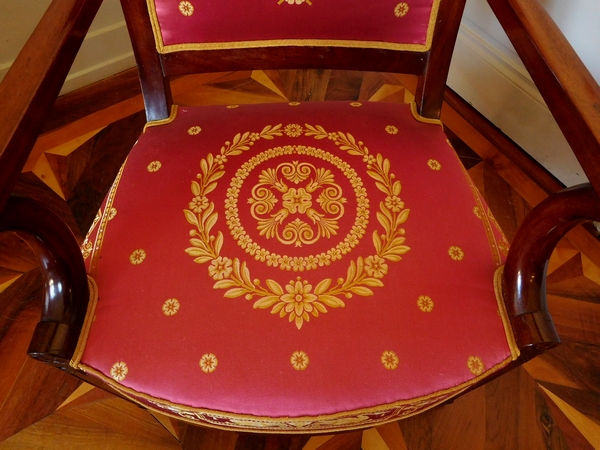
(296, 267)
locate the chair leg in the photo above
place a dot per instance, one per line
(195, 437)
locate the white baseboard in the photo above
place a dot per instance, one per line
(491, 78)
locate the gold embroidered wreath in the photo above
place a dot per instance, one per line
(298, 299)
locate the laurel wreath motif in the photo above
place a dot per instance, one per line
(297, 300)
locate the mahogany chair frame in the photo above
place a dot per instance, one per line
(34, 81)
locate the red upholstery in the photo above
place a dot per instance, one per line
(390, 24)
(262, 267)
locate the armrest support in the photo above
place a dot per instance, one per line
(527, 261)
(570, 91)
(65, 280)
(33, 82)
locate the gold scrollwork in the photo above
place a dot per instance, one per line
(297, 201)
(295, 2)
(296, 231)
(299, 300)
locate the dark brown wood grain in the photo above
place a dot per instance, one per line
(155, 86)
(429, 94)
(92, 98)
(65, 281)
(525, 269)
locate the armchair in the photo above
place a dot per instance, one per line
(302, 211)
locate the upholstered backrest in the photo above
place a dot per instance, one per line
(206, 25)
(175, 37)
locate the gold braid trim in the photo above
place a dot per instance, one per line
(342, 421)
(162, 48)
(169, 119)
(510, 338)
(87, 323)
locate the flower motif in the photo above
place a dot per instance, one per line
(237, 232)
(311, 262)
(298, 300)
(220, 268)
(298, 264)
(293, 130)
(198, 204)
(475, 365)
(273, 259)
(324, 259)
(230, 203)
(356, 104)
(391, 129)
(112, 213)
(434, 165)
(299, 360)
(154, 166)
(119, 371)
(375, 266)
(477, 212)
(425, 303)
(193, 131)
(294, 103)
(137, 256)
(252, 248)
(394, 203)
(369, 159)
(261, 254)
(401, 9)
(297, 200)
(244, 240)
(285, 262)
(208, 363)
(390, 360)
(233, 106)
(186, 8)
(220, 159)
(456, 253)
(344, 247)
(335, 253)
(170, 307)
(352, 240)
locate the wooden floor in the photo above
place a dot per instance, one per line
(553, 402)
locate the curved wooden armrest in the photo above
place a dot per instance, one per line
(527, 262)
(64, 275)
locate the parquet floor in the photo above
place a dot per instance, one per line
(553, 402)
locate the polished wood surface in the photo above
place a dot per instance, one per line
(551, 402)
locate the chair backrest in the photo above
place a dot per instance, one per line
(174, 38)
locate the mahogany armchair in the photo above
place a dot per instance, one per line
(294, 268)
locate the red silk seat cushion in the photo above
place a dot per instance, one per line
(294, 267)
(389, 24)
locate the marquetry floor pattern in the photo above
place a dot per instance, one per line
(552, 402)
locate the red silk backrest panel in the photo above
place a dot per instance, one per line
(209, 24)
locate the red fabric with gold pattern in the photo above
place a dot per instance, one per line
(193, 24)
(296, 268)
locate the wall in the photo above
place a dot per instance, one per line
(486, 70)
(105, 51)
